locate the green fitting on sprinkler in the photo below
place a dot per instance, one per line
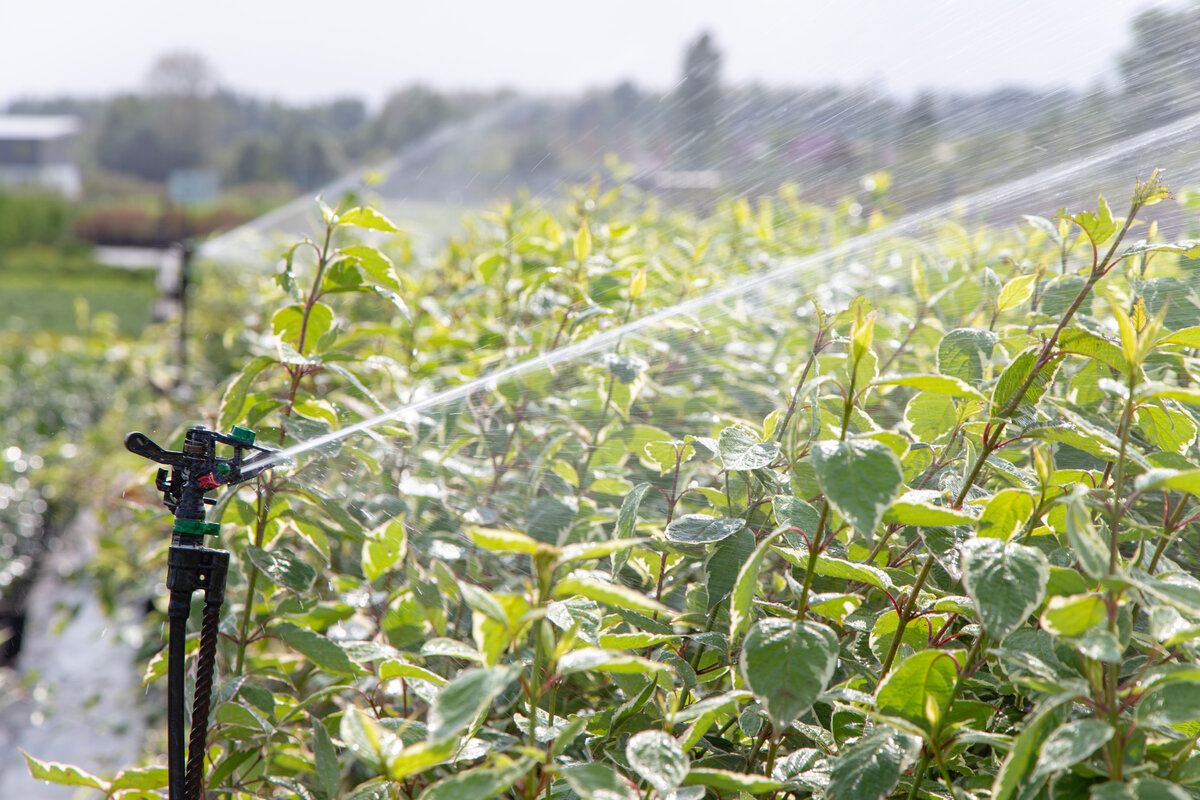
(197, 527)
(243, 435)
(223, 468)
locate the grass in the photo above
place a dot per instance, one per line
(48, 289)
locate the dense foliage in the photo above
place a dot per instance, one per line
(905, 519)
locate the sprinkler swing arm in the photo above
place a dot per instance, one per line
(194, 471)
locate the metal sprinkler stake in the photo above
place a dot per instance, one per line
(194, 471)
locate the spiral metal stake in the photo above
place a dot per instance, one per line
(191, 567)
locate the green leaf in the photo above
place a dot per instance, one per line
(625, 368)
(496, 540)
(233, 402)
(481, 782)
(938, 384)
(702, 529)
(658, 759)
(451, 648)
(860, 478)
(370, 741)
(466, 697)
(1168, 430)
(596, 781)
(288, 324)
(664, 454)
(787, 664)
(1178, 590)
(1172, 703)
(1004, 396)
(392, 669)
(582, 551)
(597, 659)
(626, 526)
(963, 352)
(1071, 615)
(1184, 337)
(1011, 778)
(1005, 581)
(1005, 513)
(1157, 390)
(911, 508)
(727, 782)
(488, 263)
(742, 450)
(1071, 743)
(833, 605)
(419, 757)
(329, 771)
(316, 648)
(627, 516)
(919, 689)
(870, 768)
(930, 415)
(283, 568)
(792, 512)
(62, 774)
(364, 217)
(384, 549)
(723, 564)
(1081, 533)
(610, 594)
(375, 264)
(741, 602)
(830, 567)
(1099, 226)
(1086, 343)
(550, 518)
(1016, 291)
(1140, 789)
(583, 242)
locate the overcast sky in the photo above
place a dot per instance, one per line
(305, 51)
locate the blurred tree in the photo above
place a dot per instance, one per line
(346, 114)
(697, 106)
(306, 158)
(301, 156)
(410, 114)
(182, 85)
(254, 160)
(130, 140)
(1161, 68)
(181, 74)
(920, 122)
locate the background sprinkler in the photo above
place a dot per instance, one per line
(194, 471)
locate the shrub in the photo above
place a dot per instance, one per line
(908, 536)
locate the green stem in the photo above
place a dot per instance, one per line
(781, 431)
(260, 530)
(814, 552)
(591, 447)
(1100, 268)
(940, 758)
(919, 772)
(772, 750)
(906, 614)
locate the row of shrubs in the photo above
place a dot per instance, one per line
(45, 218)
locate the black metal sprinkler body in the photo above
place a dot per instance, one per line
(194, 471)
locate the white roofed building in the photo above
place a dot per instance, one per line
(39, 151)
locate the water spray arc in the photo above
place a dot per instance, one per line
(191, 567)
(791, 271)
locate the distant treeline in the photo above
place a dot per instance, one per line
(755, 137)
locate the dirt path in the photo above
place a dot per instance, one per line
(80, 698)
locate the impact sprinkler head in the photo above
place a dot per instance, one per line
(197, 469)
